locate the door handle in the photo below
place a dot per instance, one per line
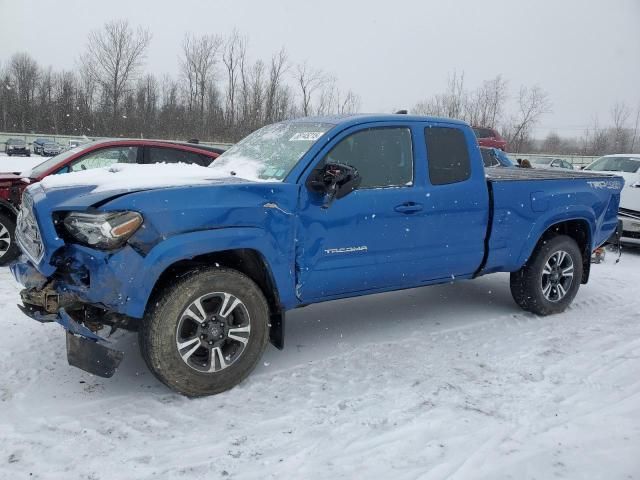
(408, 207)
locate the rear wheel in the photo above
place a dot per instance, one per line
(206, 333)
(550, 279)
(8, 249)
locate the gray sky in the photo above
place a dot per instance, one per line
(584, 53)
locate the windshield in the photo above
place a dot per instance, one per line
(271, 152)
(15, 141)
(615, 164)
(41, 168)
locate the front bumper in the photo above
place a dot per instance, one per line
(630, 228)
(44, 303)
(18, 151)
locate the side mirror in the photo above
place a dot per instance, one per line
(334, 181)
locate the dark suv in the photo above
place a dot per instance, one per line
(17, 146)
(102, 153)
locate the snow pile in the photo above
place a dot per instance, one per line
(124, 176)
(444, 382)
(19, 164)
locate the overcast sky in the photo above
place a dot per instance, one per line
(393, 53)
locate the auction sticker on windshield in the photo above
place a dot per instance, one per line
(306, 136)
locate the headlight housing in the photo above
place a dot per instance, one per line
(105, 231)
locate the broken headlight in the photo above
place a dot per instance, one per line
(106, 230)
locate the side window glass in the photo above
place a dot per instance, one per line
(488, 158)
(105, 157)
(383, 156)
(171, 155)
(447, 155)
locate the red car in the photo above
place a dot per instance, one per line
(101, 153)
(489, 137)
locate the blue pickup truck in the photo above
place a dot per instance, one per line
(205, 266)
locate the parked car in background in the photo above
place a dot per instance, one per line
(543, 162)
(489, 137)
(17, 146)
(102, 153)
(76, 142)
(38, 144)
(205, 264)
(50, 149)
(627, 166)
(494, 157)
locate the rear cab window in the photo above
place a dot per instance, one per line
(447, 155)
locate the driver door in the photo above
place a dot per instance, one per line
(363, 241)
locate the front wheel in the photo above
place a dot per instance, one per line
(8, 248)
(550, 279)
(204, 334)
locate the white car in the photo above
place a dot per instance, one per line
(626, 165)
(545, 162)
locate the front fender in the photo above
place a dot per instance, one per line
(189, 245)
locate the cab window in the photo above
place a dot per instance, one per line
(383, 156)
(447, 155)
(173, 155)
(105, 157)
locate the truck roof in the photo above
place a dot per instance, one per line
(353, 119)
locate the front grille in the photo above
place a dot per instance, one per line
(27, 231)
(627, 212)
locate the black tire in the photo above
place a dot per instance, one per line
(528, 284)
(8, 225)
(8, 154)
(159, 334)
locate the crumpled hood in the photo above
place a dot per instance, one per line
(170, 207)
(9, 177)
(83, 189)
(132, 177)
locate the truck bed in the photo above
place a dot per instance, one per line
(497, 174)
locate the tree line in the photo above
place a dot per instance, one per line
(220, 94)
(487, 106)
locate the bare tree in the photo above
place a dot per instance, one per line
(308, 80)
(533, 102)
(595, 140)
(113, 58)
(23, 78)
(277, 70)
(635, 130)
(233, 57)
(621, 135)
(200, 55)
(451, 104)
(486, 104)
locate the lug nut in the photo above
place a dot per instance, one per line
(210, 342)
(221, 324)
(221, 336)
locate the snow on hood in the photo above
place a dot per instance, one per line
(123, 176)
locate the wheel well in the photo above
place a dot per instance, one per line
(247, 261)
(580, 232)
(4, 209)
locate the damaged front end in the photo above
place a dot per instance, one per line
(46, 300)
(68, 279)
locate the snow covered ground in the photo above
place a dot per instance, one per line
(440, 382)
(19, 164)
